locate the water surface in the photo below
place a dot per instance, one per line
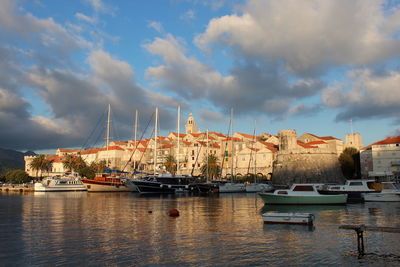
(102, 229)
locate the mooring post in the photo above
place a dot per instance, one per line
(360, 242)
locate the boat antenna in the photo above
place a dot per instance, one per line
(232, 145)
(207, 157)
(225, 150)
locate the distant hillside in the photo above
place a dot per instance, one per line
(12, 159)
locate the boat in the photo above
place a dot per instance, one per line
(231, 188)
(390, 193)
(289, 218)
(355, 189)
(164, 183)
(68, 182)
(258, 187)
(302, 194)
(104, 182)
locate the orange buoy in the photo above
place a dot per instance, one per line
(173, 213)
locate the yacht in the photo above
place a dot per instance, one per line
(69, 182)
(163, 183)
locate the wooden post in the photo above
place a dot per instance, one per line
(360, 234)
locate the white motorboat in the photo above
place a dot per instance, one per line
(390, 193)
(302, 194)
(232, 188)
(69, 182)
(355, 189)
(288, 218)
(258, 187)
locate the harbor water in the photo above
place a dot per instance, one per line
(127, 229)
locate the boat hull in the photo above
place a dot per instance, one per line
(100, 186)
(153, 187)
(253, 188)
(382, 197)
(288, 218)
(39, 187)
(232, 188)
(272, 199)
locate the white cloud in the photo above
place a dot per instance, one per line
(188, 15)
(309, 36)
(366, 95)
(156, 25)
(85, 18)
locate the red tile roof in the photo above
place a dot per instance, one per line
(389, 140)
(305, 145)
(316, 142)
(196, 134)
(180, 135)
(217, 134)
(215, 145)
(232, 138)
(187, 143)
(112, 148)
(254, 149)
(324, 137)
(90, 151)
(248, 136)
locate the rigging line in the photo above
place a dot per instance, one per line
(92, 132)
(252, 147)
(225, 147)
(137, 143)
(197, 157)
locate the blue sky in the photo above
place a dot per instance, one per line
(306, 65)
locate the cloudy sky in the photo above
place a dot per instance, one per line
(309, 65)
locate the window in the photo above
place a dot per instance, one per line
(192, 158)
(355, 183)
(303, 188)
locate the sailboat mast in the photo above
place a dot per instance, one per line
(207, 156)
(255, 153)
(232, 144)
(108, 127)
(136, 124)
(178, 149)
(155, 141)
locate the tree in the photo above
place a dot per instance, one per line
(74, 163)
(350, 162)
(17, 176)
(170, 164)
(211, 165)
(99, 167)
(87, 172)
(41, 163)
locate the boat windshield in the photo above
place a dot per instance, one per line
(303, 188)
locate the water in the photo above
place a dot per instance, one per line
(97, 229)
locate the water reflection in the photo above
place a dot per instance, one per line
(117, 229)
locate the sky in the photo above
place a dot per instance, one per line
(317, 66)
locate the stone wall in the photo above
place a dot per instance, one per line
(306, 168)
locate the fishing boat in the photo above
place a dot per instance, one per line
(302, 194)
(355, 189)
(288, 218)
(390, 193)
(69, 182)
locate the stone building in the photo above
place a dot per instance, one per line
(299, 162)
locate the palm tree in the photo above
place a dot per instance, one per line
(100, 166)
(40, 163)
(170, 164)
(74, 163)
(211, 165)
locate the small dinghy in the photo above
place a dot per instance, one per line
(288, 218)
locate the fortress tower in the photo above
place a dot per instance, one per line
(354, 140)
(287, 140)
